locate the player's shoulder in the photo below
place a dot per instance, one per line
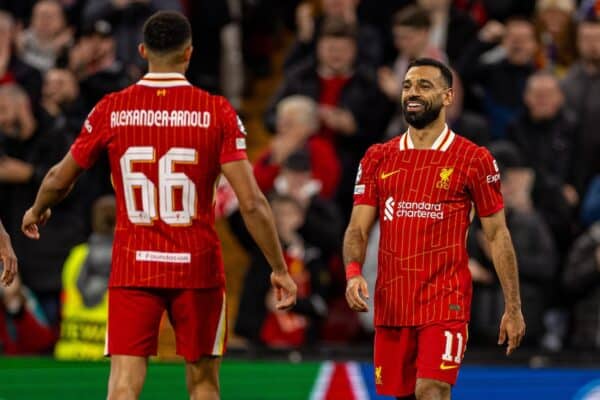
(463, 147)
(378, 151)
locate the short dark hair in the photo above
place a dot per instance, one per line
(430, 62)
(338, 28)
(166, 31)
(412, 16)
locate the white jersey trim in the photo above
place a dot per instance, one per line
(441, 143)
(163, 80)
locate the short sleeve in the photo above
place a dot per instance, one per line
(93, 137)
(484, 183)
(233, 147)
(365, 189)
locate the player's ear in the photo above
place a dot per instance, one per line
(142, 50)
(187, 53)
(448, 97)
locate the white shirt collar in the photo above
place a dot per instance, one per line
(442, 143)
(163, 79)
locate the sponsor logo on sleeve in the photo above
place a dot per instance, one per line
(359, 189)
(240, 144)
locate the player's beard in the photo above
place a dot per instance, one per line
(421, 119)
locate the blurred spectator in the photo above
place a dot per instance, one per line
(258, 320)
(47, 38)
(297, 123)
(23, 327)
(16, 119)
(352, 109)
(590, 206)
(555, 24)
(534, 249)
(588, 9)
(500, 85)
(85, 282)
(582, 92)
(546, 132)
(322, 227)
(309, 26)
(62, 107)
(12, 69)
(411, 32)
(94, 61)
(451, 28)
(127, 18)
(582, 279)
(22, 169)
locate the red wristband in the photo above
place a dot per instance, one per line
(353, 269)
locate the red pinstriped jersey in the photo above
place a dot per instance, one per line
(424, 199)
(166, 141)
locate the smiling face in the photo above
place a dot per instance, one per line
(424, 94)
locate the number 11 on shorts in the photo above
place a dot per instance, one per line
(447, 356)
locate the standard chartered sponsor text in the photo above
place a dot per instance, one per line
(160, 118)
(413, 209)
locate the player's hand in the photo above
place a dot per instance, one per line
(31, 221)
(356, 294)
(512, 327)
(9, 260)
(285, 290)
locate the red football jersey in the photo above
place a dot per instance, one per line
(166, 141)
(425, 201)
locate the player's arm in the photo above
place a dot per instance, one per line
(258, 218)
(355, 247)
(8, 257)
(512, 326)
(56, 185)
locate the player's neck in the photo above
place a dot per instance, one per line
(161, 69)
(426, 137)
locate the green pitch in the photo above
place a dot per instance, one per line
(47, 379)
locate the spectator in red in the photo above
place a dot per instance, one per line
(23, 328)
(352, 109)
(297, 122)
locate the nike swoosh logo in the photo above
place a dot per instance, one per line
(385, 175)
(445, 367)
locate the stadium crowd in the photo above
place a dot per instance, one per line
(527, 86)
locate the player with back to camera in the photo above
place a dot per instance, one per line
(421, 186)
(167, 143)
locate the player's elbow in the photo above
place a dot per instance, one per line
(255, 204)
(55, 182)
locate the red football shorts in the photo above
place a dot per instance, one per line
(198, 317)
(404, 354)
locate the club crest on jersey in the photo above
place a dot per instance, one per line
(444, 182)
(161, 92)
(378, 378)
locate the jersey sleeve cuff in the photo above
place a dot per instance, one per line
(491, 211)
(365, 202)
(80, 159)
(237, 156)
